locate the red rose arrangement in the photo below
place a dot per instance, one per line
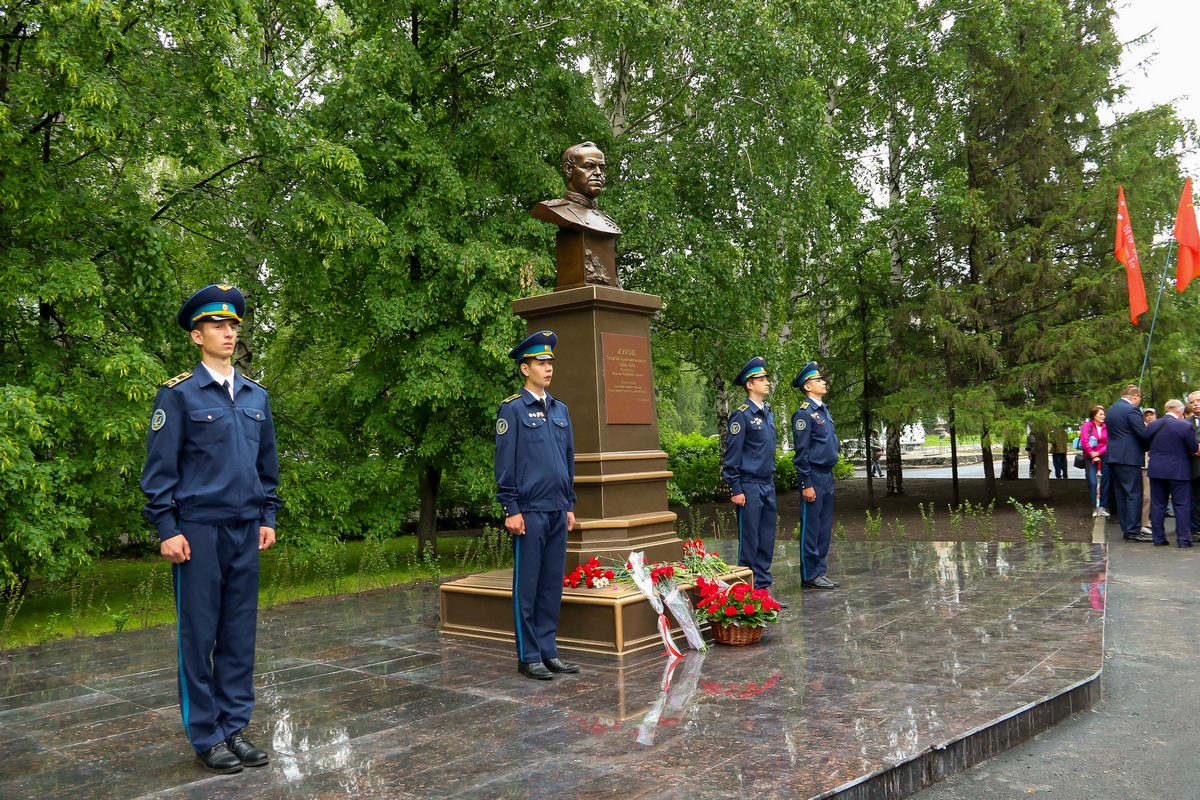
(591, 575)
(740, 604)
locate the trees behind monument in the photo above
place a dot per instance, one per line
(917, 199)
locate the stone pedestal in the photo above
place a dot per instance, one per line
(603, 372)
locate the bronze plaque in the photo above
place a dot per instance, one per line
(628, 384)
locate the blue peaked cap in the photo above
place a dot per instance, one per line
(810, 371)
(217, 301)
(539, 345)
(755, 367)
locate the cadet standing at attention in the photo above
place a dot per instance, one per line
(749, 469)
(210, 479)
(535, 478)
(815, 456)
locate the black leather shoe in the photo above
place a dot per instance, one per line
(1161, 544)
(819, 582)
(218, 759)
(781, 603)
(558, 665)
(1138, 537)
(244, 749)
(536, 671)
(1183, 544)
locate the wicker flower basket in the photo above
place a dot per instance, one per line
(735, 635)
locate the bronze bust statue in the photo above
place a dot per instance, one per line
(586, 252)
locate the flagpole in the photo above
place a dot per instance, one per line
(1162, 284)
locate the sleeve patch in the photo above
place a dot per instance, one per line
(800, 423)
(158, 419)
(501, 426)
(735, 429)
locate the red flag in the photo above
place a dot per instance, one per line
(1126, 253)
(1187, 263)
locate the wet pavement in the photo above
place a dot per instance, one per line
(359, 696)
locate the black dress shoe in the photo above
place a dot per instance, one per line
(558, 665)
(1138, 537)
(535, 670)
(781, 603)
(1161, 544)
(218, 759)
(819, 582)
(1183, 544)
(244, 749)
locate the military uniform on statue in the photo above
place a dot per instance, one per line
(815, 456)
(535, 477)
(749, 469)
(210, 478)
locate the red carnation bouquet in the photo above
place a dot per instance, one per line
(591, 575)
(739, 604)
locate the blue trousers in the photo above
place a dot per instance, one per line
(1180, 493)
(1127, 495)
(756, 531)
(816, 525)
(1090, 469)
(539, 560)
(216, 606)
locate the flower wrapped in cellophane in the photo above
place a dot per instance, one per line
(663, 576)
(640, 574)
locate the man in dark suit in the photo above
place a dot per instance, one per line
(1126, 454)
(1172, 445)
(1194, 421)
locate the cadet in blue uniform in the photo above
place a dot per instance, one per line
(749, 469)
(815, 456)
(210, 479)
(535, 476)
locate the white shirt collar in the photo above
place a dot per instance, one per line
(219, 378)
(815, 402)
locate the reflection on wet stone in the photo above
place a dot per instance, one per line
(925, 644)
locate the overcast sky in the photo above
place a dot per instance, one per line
(1164, 69)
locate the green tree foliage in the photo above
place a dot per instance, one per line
(920, 194)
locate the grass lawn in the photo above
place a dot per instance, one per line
(126, 593)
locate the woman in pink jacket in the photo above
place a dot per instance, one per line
(1093, 439)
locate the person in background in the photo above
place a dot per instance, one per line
(1150, 415)
(874, 467)
(1194, 420)
(1172, 447)
(1093, 440)
(1126, 453)
(1058, 452)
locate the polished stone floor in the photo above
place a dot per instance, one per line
(359, 697)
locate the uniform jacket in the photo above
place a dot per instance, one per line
(1127, 438)
(210, 459)
(1172, 442)
(749, 447)
(535, 455)
(815, 439)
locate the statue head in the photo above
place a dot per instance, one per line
(583, 169)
